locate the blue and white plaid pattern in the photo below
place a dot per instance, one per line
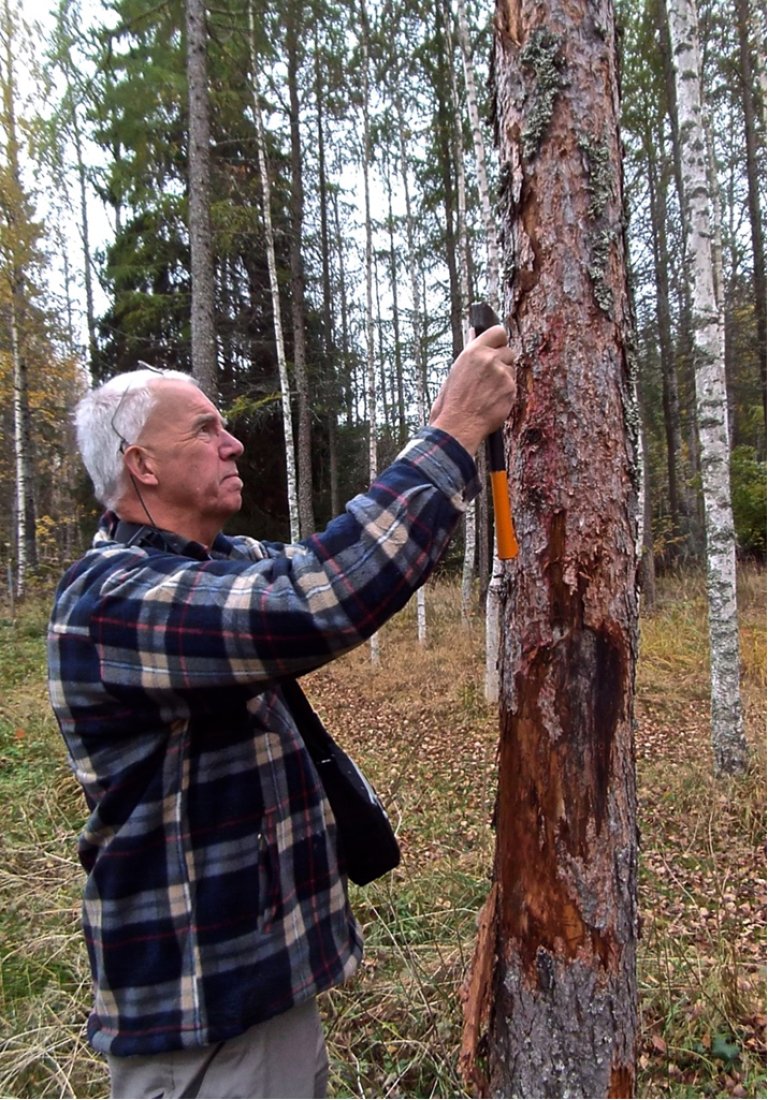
(214, 899)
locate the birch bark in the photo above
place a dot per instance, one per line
(17, 244)
(294, 30)
(417, 316)
(727, 725)
(491, 244)
(498, 573)
(375, 644)
(269, 240)
(470, 518)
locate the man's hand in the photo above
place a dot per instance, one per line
(477, 395)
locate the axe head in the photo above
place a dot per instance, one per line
(482, 317)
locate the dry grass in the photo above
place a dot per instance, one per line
(420, 726)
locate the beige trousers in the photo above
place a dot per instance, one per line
(282, 1059)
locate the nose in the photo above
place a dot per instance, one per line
(230, 445)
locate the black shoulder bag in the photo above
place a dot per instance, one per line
(368, 847)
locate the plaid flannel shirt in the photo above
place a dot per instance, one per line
(213, 897)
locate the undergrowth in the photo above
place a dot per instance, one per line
(419, 725)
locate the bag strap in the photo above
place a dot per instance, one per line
(315, 736)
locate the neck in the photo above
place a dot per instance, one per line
(155, 515)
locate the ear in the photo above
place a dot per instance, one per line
(140, 464)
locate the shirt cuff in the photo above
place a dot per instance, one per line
(446, 463)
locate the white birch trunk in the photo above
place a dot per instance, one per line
(16, 280)
(304, 475)
(21, 453)
(489, 223)
(470, 516)
(418, 321)
(493, 594)
(285, 391)
(375, 648)
(728, 740)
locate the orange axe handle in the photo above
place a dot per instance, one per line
(482, 317)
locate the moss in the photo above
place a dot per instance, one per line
(542, 53)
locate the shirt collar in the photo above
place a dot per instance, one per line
(114, 529)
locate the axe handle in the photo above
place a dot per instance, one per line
(482, 317)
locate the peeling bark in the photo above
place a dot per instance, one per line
(561, 950)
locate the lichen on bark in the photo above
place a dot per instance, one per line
(600, 186)
(544, 55)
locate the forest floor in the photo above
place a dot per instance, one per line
(419, 725)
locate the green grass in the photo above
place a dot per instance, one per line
(421, 728)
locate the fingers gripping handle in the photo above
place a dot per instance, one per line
(482, 317)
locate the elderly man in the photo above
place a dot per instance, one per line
(215, 909)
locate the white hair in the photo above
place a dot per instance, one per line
(110, 418)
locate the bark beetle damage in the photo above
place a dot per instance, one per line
(555, 774)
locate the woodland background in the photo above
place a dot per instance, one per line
(373, 176)
(344, 145)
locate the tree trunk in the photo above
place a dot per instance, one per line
(728, 740)
(690, 504)
(22, 451)
(90, 309)
(746, 70)
(553, 983)
(493, 588)
(330, 404)
(670, 394)
(470, 518)
(285, 390)
(303, 413)
(491, 244)
(18, 248)
(374, 645)
(200, 233)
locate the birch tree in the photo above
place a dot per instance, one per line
(486, 209)
(18, 236)
(70, 124)
(417, 317)
(370, 352)
(269, 240)
(498, 571)
(470, 518)
(552, 989)
(294, 33)
(728, 739)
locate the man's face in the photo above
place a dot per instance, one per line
(193, 455)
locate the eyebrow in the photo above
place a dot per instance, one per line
(209, 418)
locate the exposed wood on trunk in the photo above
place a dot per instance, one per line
(562, 951)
